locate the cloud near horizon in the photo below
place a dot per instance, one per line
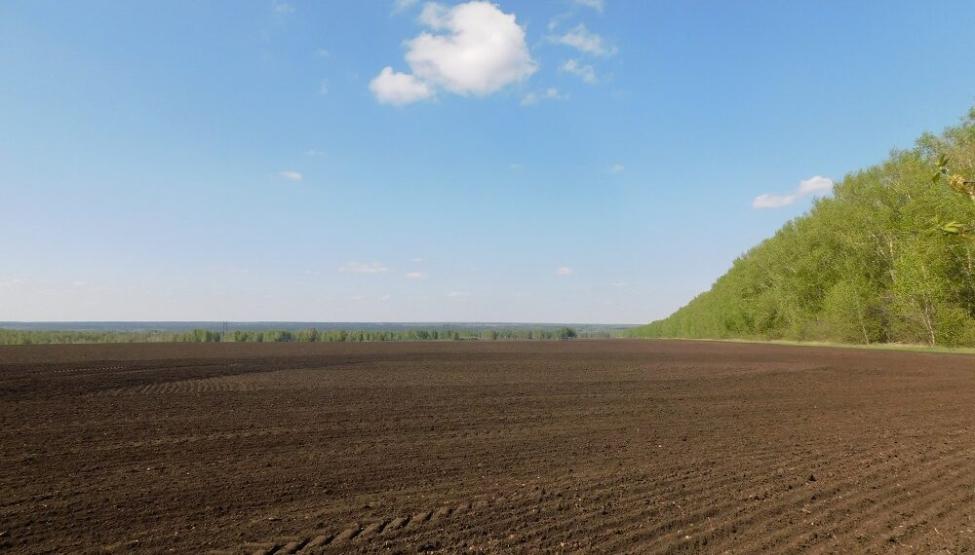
(363, 268)
(470, 49)
(813, 186)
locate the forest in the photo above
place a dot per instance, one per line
(888, 258)
(309, 335)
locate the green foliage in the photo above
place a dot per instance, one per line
(889, 258)
(29, 337)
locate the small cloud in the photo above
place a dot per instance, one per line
(598, 5)
(398, 89)
(583, 71)
(554, 23)
(385, 298)
(619, 284)
(291, 175)
(403, 5)
(514, 166)
(323, 87)
(808, 187)
(364, 268)
(315, 153)
(281, 7)
(550, 93)
(323, 53)
(10, 282)
(817, 184)
(773, 201)
(458, 294)
(584, 40)
(617, 168)
(415, 275)
(417, 260)
(563, 271)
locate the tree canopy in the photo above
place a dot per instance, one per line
(890, 257)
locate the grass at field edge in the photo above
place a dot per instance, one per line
(871, 346)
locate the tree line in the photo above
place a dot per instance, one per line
(890, 257)
(311, 335)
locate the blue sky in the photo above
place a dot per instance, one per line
(558, 161)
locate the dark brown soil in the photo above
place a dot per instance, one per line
(599, 446)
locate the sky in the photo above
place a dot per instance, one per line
(594, 161)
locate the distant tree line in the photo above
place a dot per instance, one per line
(311, 335)
(889, 258)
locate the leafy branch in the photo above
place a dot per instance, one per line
(961, 186)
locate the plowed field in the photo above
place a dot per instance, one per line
(523, 447)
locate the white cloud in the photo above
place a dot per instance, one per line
(403, 5)
(816, 184)
(458, 294)
(322, 53)
(617, 168)
(584, 40)
(385, 298)
(563, 271)
(812, 186)
(391, 87)
(323, 87)
(554, 23)
(597, 5)
(282, 7)
(582, 71)
(482, 51)
(364, 268)
(773, 201)
(315, 153)
(550, 93)
(291, 175)
(433, 15)
(475, 49)
(415, 275)
(417, 260)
